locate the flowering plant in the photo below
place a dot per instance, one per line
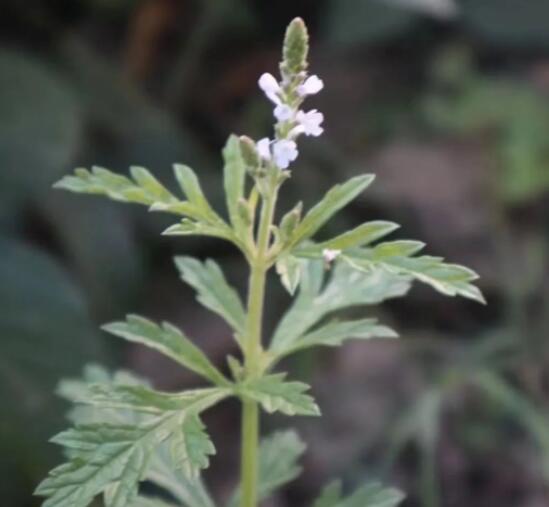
(126, 432)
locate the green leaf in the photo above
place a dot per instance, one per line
(188, 181)
(276, 395)
(395, 257)
(168, 340)
(213, 290)
(145, 501)
(189, 491)
(188, 227)
(362, 235)
(335, 199)
(143, 189)
(330, 495)
(288, 268)
(191, 447)
(371, 495)
(234, 173)
(335, 333)
(142, 399)
(102, 454)
(278, 457)
(346, 287)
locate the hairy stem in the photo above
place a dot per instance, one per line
(253, 350)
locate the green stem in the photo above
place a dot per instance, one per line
(253, 351)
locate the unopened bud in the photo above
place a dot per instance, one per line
(290, 220)
(296, 48)
(249, 152)
(244, 211)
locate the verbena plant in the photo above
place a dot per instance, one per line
(126, 432)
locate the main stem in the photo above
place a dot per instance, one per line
(253, 350)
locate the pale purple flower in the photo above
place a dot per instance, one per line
(283, 112)
(309, 123)
(284, 152)
(270, 87)
(312, 85)
(263, 147)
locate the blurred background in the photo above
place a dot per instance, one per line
(447, 101)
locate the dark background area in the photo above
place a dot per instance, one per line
(446, 102)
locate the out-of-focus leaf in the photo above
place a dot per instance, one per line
(371, 495)
(213, 290)
(276, 395)
(39, 125)
(168, 340)
(345, 287)
(112, 274)
(191, 492)
(352, 23)
(278, 457)
(509, 23)
(330, 495)
(46, 333)
(145, 501)
(121, 455)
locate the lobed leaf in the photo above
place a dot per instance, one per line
(189, 227)
(346, 287)
(189, 491)
(213, 290)
(143, 189)
(371, 495)
(278, 456)
(191, 447)
(335, 199)
(396, 257)
(362, 235)
(116, 458)
(143, 399)
(276, 395)
(189, 183)
(101, 455)
(334, 334)
(170, 341)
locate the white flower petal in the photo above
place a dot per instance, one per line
(263, 147)
(283, 112)
(310, 122)
(270, 87)
(284, 152)
(330, 255)
(312, 85)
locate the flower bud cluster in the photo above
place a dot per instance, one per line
(287, 96)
